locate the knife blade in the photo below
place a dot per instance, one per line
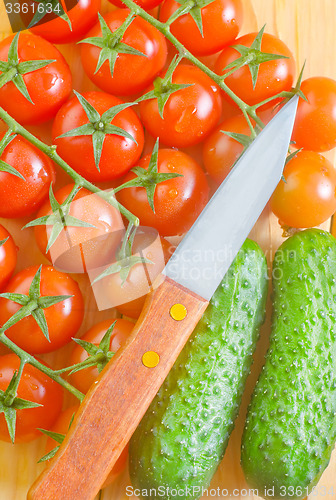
(234, 208)
(113, 408)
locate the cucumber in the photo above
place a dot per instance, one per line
(290, 429)
(183, 436)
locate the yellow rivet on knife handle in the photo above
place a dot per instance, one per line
(178, 312)
(150, 359)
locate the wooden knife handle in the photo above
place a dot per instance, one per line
(113, 408)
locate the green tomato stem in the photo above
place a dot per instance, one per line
(8, 401)
(283, 94)
(28, 358)
(51, 152)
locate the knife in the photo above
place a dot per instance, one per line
(113, 408)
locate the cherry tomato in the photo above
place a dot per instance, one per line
(78, 249)
(8, 257)
(128, 294)
(138, 279)
(273, 76)
(19, 197)
(48, 87)
(221, 20)
(63, 319)
(308, 197)
(145, 4)
(315, 124)
(132, 73)
(119, 153)
(62, 426)
(84, 379)
(189, 114)
(177, 202)
(221, 151)
(56, 30)
(34, 386)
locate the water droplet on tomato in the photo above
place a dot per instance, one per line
(172, 193)
(183, 123)
(50, 80)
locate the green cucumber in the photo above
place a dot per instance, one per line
(183, 436)
(290, 429)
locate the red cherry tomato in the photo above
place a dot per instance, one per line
(48, 87)
(315, 124)
(308, 197)
(119, 153)
(221, 19)
(273, 76)
(189, 114)
(34, 386)
(158, 252)
(8, 257)
(62, 426)
(221, 151)
(132, 73)
(84, 379)
(145, 4)
(19, 197)
(177, 201)
(56, 30)
(78, 249)
(63, 319)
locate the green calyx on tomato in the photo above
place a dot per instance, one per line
(111, 44)
(192, 7)
(99, 126)
(60, 218)
(123, 53)
(10, 403)
(59, 438)
(12, 70)
(99, 355)
(244, 140)
(125, 259)
(33, 305)
(149, 178)
(56, 436)
(54, 7)
(28, 398)
(202, 27)
(252, 57)
(164, 87)
(5, 167)
(290, 157)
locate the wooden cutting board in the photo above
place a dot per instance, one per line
(308, 28)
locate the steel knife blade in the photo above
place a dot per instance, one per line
(208, 249)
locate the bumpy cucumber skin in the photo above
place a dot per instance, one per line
(290, 429)
(183, 436)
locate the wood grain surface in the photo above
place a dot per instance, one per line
(308, 28)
